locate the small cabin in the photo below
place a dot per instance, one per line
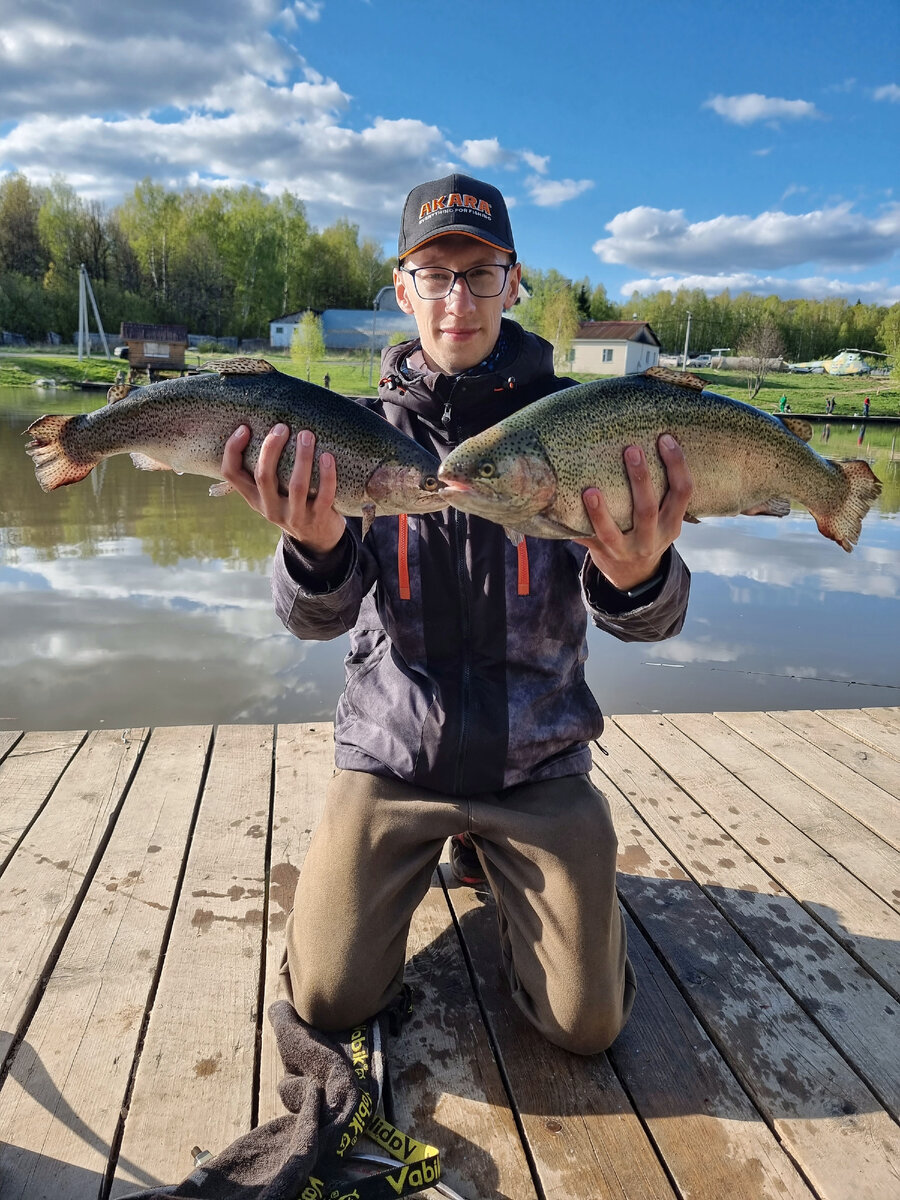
(154, 347)
(614, 348)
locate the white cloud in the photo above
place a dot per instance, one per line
(549, 192)
(810, 288)
(762, 153)
(662, 241)
(890, 91)
(751, 107)
(537, 162)
(484, 152)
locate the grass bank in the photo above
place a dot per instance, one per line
(350, 374)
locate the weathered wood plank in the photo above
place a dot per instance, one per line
(876, 766)
(864, 853)
(445, 1085)
(194, 1082)
(304, 762)
(42, 885)
(581, 1130)
(865, 725)
(890, 715)
(858, 1015)
(27, 776)
(713, 1141)
(871, 805)
(862, 922)
(60, 1106)
(8, 738)
(845, 1143)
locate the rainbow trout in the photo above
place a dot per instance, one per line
(529, 471)
(182, 425)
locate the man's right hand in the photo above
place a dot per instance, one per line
(311, 520)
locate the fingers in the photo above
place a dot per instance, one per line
(681, 486)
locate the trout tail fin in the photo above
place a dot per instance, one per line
(862, 488)
(53, 465)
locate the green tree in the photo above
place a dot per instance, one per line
(308, 342)
(601, 307)
(20, 240)
(889, 337)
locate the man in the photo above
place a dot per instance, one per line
(465, 710)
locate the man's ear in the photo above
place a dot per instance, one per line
(512, 287)
(400, 291)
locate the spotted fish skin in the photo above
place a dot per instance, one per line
(183, 425)
(529, 472)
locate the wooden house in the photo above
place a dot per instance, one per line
(154, 348)
(614, 348)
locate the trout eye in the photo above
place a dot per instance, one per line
(430, 483)
(486, 469)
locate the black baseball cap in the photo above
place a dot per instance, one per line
(455, 204)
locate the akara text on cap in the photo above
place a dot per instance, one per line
(455, 204)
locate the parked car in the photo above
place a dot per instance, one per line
(120, 352)
(700, 360)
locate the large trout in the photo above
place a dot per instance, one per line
(183, 425)
(529, 471)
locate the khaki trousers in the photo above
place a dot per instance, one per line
(549, 853)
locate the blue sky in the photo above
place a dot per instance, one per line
(745, 145)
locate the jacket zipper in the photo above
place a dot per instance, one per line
(458, 519)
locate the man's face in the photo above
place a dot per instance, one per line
(460, 330)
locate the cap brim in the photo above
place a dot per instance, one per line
(477, 235)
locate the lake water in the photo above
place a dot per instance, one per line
(134, 599)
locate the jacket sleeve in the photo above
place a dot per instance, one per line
(318, 598)
(650, 617)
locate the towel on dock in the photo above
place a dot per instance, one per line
(330, 1091)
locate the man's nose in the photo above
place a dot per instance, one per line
(460, 296)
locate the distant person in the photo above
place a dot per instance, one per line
(829, 405)
(327, 381)
(782, 404)
(866, 407)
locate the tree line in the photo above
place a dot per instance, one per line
(225, 262)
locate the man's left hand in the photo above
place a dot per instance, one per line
(629, 559)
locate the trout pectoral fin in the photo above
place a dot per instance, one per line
(514, 536)
(144, 462)
(239, 366)
(368, 516)
(776, 507)
(221, 489)
(691, 519)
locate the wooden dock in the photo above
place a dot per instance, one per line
(145, 877)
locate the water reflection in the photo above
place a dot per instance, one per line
(135, 599)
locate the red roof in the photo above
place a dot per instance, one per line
(617, 331)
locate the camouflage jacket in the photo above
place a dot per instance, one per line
(465, 671)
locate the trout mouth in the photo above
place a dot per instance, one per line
(396, 489)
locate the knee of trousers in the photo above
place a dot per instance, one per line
(590, 1033)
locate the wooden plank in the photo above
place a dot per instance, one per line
(844, 1142)
(871, 805)
(28, 774)
(713, 1141)
(862, 922)
(60, 1106)
(889, 715)
(874, 765)
(304, 763)
(866, 726)
(194, 1082)
(8, 738)
(43, 884)
(582, 1132)
(858, 1015)
(858, 849)
(445, 1085)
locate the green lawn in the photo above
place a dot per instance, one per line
(349, 373)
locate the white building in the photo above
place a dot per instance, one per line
(613, 348)
(351, 329)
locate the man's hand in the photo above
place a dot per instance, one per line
(628, 559)
(311, 520)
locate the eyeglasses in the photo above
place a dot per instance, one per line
(435, 283)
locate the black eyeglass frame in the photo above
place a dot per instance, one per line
(504, 267)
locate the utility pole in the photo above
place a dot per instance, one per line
(84, 338)
(687, 338)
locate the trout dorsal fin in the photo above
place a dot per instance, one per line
(677, 378)
(797, 426)
(239, 366)
(118, 391)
